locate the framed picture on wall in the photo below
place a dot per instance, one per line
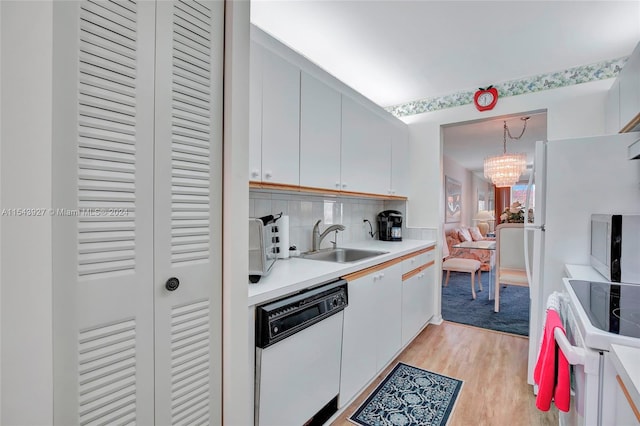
(453, 200)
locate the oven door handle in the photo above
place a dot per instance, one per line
(574, 354)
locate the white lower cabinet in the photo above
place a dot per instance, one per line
(388, 314)
(626, 412)
(417, 305)
(371, 333)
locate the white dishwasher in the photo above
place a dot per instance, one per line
(298, 353)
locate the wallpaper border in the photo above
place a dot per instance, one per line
(553, 80)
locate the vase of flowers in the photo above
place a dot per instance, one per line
(515, 214)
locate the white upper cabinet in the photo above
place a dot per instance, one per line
(366, 150)
(280, 120)
(320, 118)
(612, 109)
(400, 161)
(629, 80)
(255, 112)
(622, 104)
(303, 131)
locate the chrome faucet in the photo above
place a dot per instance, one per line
(318, 237)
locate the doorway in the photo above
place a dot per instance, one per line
(464, 148)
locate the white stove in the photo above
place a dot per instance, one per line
(607, 312)
(595, 315)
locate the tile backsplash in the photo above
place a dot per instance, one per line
(305, 210)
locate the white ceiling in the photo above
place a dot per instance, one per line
(399, 51)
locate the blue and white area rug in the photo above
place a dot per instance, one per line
(409, 396)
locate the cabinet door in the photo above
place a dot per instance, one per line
(411, 301)
(388, 313)
(417, 303)
(187, 200)
(612, 109)
(427, 294)
(359, 337)
(400, 161)
(625, 411)
(629, 79)
(366, 149)
(255, 112)
(319, 134)
(280, 120)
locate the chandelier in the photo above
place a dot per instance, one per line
(505, 170)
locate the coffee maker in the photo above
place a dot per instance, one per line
(390, 225)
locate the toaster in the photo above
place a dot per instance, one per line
(263, 251)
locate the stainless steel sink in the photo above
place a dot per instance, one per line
(341, 255)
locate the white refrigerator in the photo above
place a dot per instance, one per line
(573, 178)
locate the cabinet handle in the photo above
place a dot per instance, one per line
(268, 175)
(338, 185)
(255, 173)
(381, 275)
(344, 185)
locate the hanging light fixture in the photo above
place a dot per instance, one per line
(505, 169)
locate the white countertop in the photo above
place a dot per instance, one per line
(295, 274)
(584, 273)
(625, 360)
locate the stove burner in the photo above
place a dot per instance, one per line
(628, 316)
(611, 307)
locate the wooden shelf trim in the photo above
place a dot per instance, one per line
(322, 191)
(371, 270)
(631, 124)
(417, 270)
(628, 396)
(417, 253)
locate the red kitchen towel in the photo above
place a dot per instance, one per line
(551, 373)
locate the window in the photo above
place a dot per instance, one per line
(519, 193)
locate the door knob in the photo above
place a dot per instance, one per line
(172, 284)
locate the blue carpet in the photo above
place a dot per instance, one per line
(458, 306)
(409, 396)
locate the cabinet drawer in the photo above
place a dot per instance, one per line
(417, 259)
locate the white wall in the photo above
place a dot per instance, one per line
(237, 379)
(572, 111)
(26, 334)
(0, 221)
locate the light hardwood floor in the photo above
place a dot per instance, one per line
(493, 366)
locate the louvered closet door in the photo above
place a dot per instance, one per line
(103, 232)
(188, 159)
